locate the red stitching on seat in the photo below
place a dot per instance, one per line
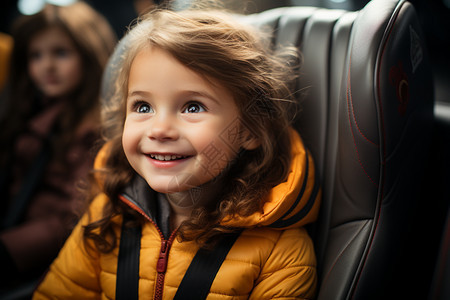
(349, 87)
(348, 95)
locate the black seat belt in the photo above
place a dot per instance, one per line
(196, 282)
(127, 284)
(203, 269)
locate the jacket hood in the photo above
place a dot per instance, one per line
(294, 202)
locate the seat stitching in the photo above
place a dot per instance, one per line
(348, 92)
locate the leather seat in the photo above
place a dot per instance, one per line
(367, 120)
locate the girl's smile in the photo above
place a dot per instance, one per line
(167, 160)
(167, 157)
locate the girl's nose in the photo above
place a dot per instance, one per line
(163, 128)
(47, 62)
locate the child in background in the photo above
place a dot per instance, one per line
(48, 131)
(198, 145)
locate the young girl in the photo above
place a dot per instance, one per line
(198, 146)
(48, 132)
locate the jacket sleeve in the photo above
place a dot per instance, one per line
(75, 273)
(290, 271)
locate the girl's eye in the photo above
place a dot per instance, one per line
(193, 108)
(143, 108)
(61, 52)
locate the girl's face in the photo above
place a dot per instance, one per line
(181, 131)
(54, 64)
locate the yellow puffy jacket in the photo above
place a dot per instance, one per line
(274, 260)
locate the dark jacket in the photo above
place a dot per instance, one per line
(33, 240)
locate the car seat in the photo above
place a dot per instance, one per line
(367, 119)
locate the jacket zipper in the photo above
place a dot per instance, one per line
(161, 265)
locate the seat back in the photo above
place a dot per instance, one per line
(367, 120)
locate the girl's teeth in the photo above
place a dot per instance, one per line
(165, 157)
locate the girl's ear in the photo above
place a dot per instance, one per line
(249, 140)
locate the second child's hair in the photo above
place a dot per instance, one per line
(223, 51)
(93, 38)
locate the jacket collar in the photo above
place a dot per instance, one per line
(148, 202)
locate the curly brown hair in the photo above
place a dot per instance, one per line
(225, 51)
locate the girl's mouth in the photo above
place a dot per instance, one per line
(167, 157)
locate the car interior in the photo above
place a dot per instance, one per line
(376, 117)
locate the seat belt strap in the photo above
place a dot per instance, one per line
(127, 282)
(196, 282)
(200, 275)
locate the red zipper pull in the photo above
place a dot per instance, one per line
(161, 266)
